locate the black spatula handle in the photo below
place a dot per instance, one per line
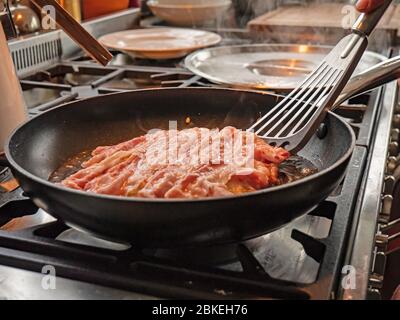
(367, 22)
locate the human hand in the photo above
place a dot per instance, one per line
(368, 5)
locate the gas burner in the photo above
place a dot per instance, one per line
(69, 75)
(77, 80)
(83, 238)
(279, 254)
(39, 97)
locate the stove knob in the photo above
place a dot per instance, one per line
(386, 208)
(373, 294)
(394, 148)
(396, 121)
(376, 281)
(380, 264)
(395, 134)
(391, 165)
(389, 184)
(381, 241)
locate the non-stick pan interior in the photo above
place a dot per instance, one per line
(44, 143)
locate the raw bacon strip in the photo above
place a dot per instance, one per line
(265, 152)
(101, 153)
(88, 174)
(190, 163)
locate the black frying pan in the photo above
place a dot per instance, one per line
(42, 144)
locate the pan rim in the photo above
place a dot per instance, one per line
(92, 195)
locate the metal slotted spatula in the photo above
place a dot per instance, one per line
(293, 121)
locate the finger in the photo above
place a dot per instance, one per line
(368, 5)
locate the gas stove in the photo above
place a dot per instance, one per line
(303, 260)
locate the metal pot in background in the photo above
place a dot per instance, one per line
(74, 7)
(25, 20)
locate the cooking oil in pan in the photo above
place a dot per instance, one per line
(295, 168)
(70, 166)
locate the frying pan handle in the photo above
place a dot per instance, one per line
(371, 78)
(3, 160)
(367, 22)
(15, 205)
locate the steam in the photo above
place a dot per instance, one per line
(379, 41)
(241, 12)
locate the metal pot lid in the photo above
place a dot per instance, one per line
(264, 66)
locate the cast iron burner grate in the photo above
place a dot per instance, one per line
(163, 273)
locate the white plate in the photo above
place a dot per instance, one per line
(160, 43)
(189, 13)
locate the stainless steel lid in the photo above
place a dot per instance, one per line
(264, 66)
